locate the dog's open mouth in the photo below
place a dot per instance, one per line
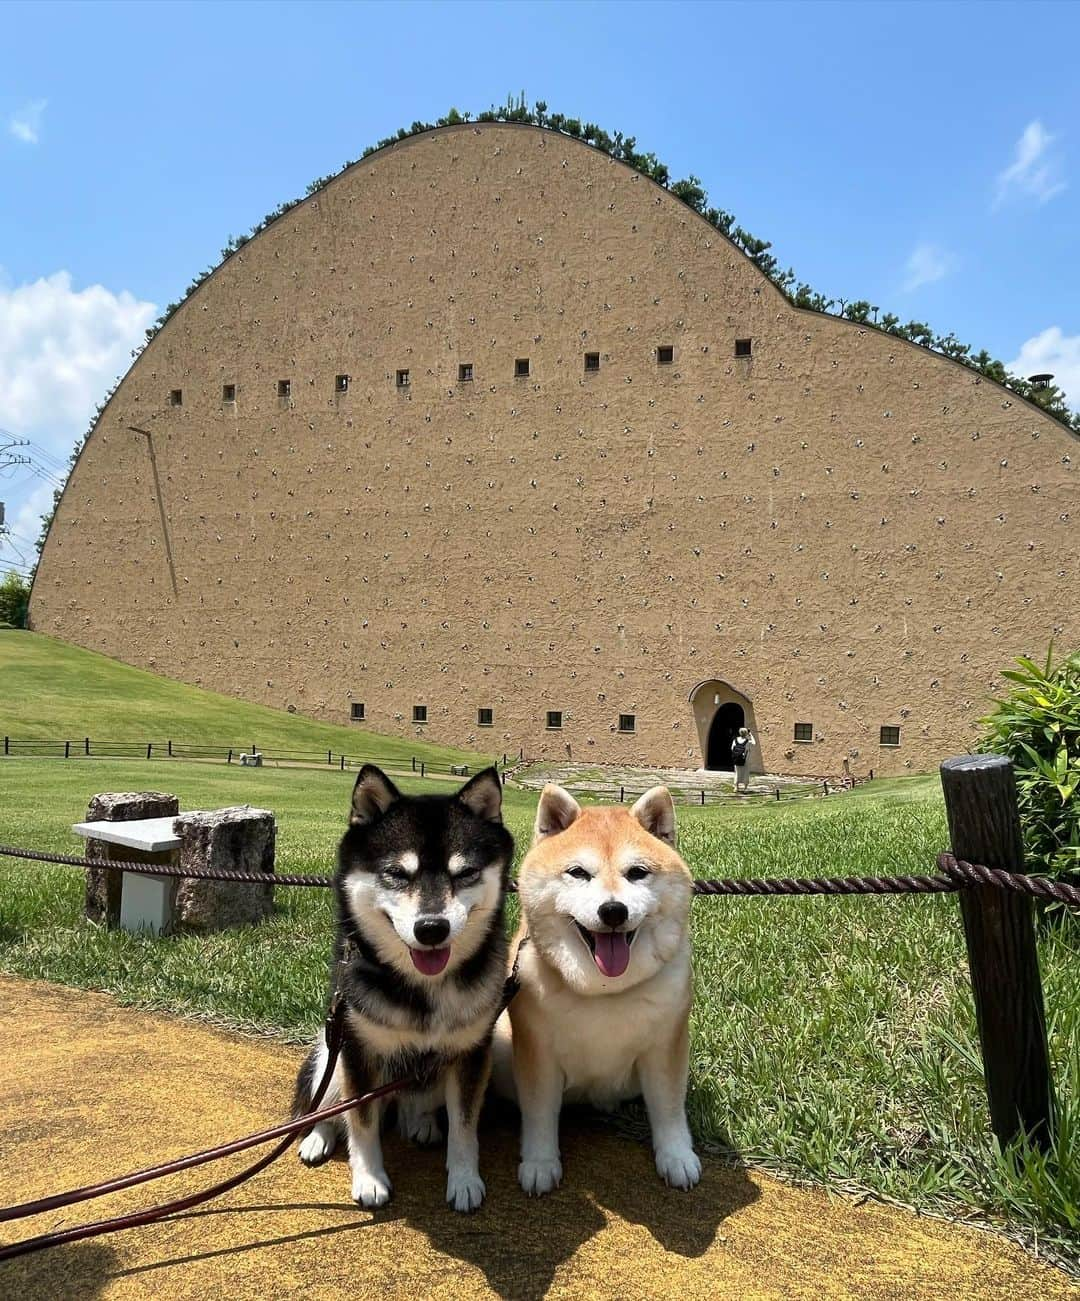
(610, 949)
(430, 961)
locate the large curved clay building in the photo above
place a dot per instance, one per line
(495, 433)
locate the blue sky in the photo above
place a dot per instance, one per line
(924, 156)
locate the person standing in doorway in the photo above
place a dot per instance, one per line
(740, 758)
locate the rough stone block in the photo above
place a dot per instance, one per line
(238, 839)
(103, 888)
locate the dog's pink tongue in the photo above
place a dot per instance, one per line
(612, 952)
(430, 961)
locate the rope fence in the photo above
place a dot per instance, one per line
(956, 874)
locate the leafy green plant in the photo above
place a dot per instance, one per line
(14, 599)
(1038, 726)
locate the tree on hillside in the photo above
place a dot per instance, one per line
(14, 599)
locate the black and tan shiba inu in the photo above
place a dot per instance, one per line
(420, 887)
(603, 961)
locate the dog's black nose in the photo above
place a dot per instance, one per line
(433, 930)
(612, 913)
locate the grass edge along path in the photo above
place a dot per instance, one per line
(611, 1231)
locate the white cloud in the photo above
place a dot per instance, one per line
(60, 350)
(927, 263)
(1052, 353)
(1035, 172)
(25, 123)
(25, 524)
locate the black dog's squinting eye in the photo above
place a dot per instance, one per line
(467, 878)
(395, 876)
(637, 873)
(578, 873)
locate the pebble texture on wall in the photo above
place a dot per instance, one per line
(841, 527)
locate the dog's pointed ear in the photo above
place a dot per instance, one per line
(656, 813)
(555, 812)
(372, 795)
(483, 795)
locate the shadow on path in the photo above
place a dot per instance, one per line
(521, 1242)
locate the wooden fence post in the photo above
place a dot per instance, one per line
(984, 827)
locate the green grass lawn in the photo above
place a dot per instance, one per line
(51, 690)
(832, 1038)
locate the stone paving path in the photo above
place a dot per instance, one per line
(89, 1090)
(590, 777)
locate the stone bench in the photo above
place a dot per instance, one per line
(459, 770)
(147, 827)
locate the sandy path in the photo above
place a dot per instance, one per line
(131, 1089)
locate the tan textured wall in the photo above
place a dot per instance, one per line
(848, 529)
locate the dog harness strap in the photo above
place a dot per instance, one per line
(512, 987)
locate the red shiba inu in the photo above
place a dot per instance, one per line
(603, 960)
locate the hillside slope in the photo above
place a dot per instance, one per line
(52, 690)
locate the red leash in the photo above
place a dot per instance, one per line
(286, 1131)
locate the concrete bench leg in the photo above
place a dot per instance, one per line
(104, 890)
(146, 903)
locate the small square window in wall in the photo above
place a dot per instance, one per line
(228, 392)
(176, 397)
(356, 710)
(341, 383)
(627, 723)
(665, 354)
(592, 361)
(804, 731)
(284, 388)
(890, 735)
(521, 368)
(464, 372)
(419, 713)
(403, 379)
(554, 718)
(744, 347)
(485, 717)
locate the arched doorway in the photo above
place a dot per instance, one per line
(720, 708)
(722, 731)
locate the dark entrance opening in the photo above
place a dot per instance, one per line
(722, 731)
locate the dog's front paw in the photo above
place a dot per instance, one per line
(318, 1146)
(464, 1190)
(679, 1167)
(539, 1177)
(371, 1189)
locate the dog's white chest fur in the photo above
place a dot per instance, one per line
(596, 1040)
